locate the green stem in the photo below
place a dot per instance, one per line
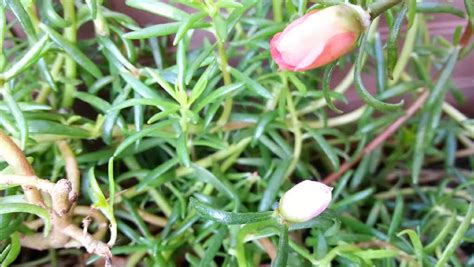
(457, 238)
(31, 10)
(53, 257)
(3, 30)
(447, 229)
(302, 252)
(406, 53)
(410, 191)
(459, 117)
(282, 255)
(246, 230)
(227, 80)
(295, 125)
(100, 24)
(161, 201)
(231, 160)
(223, 63)
(70, 33)
(444, 211)
(46, 89)
(379, 7)
(135, 258)
(277, 15)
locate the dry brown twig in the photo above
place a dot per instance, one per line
(12, 154)
(63, 195)
(72, 169)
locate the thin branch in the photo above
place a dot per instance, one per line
(88, 241)
(152, 219)
(385, 245)
(393, 193)
(87, 211)
(459, 117)
(99, 218)
(426, 175)
(27, 181)
(465, 153)
(339, 120)
(39, 242)
(377, 8)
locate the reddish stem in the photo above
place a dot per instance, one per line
(379, 139)
(467, 34)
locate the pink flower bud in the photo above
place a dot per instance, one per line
(319, 37)
(305, 201)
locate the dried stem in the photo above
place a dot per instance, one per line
(88, 241)
(66, 234)
(27, 181)
(100, 220)
(12, 154)
(60, 196)
(63, 228)
(72, 169)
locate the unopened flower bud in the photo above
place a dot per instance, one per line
(319, 37)
(305, 201)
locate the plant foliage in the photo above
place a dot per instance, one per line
(184, 147)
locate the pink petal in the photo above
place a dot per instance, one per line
(337, 46)
(276, 55)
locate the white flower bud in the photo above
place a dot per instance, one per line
(305, 201)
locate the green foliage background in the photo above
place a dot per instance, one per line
(155, 121)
